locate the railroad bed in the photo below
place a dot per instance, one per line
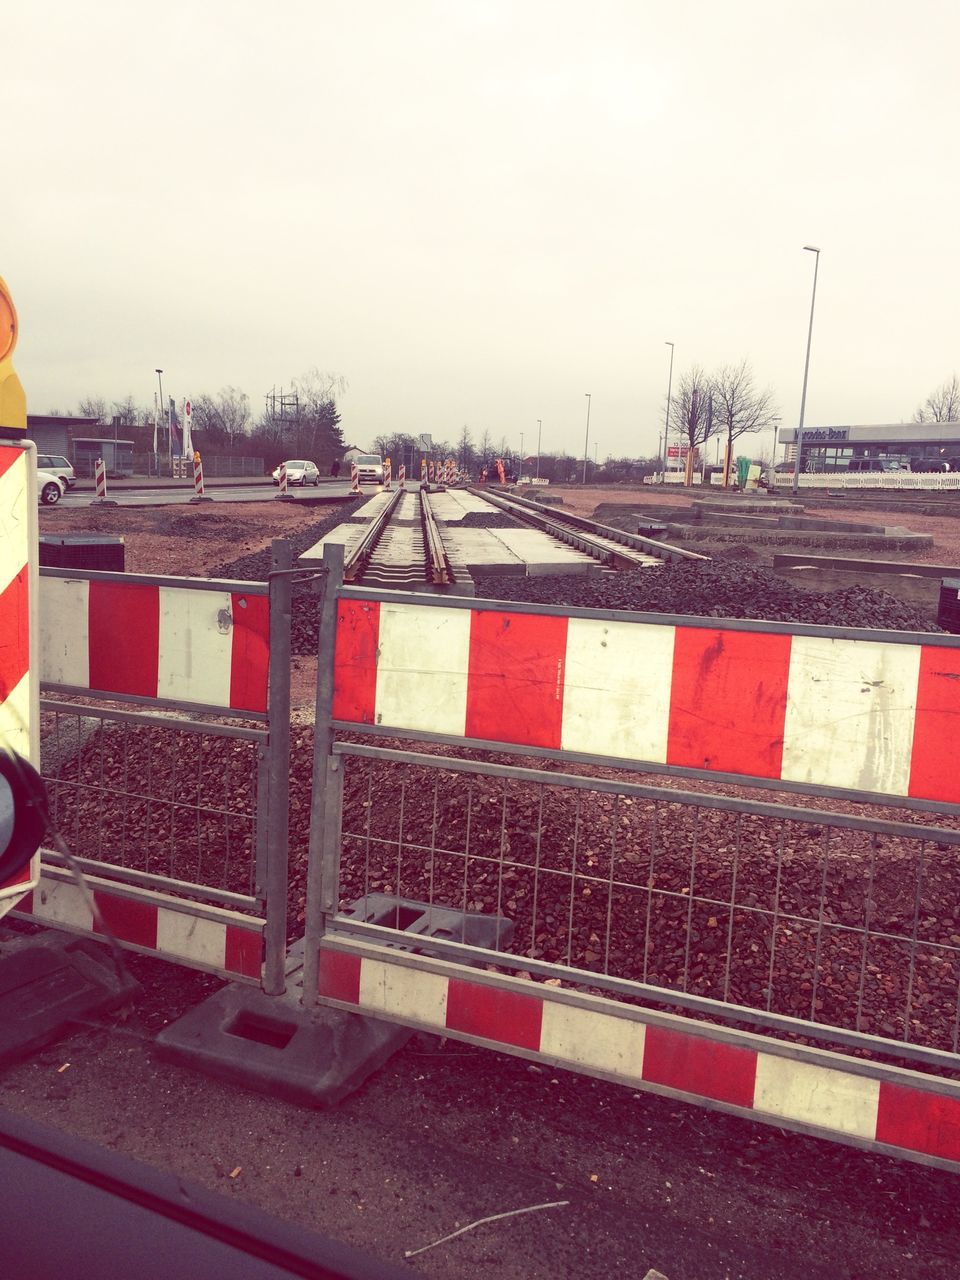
(449, 539)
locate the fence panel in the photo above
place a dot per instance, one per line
(646, 926)
(182, 823)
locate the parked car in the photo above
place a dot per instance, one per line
(50, 488)
(892, 463)
(299, 471)
(369, 468)
(59, 466)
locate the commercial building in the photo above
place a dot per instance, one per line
(925, 446)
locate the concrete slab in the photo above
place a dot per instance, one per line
(451, 506)
(542, 555)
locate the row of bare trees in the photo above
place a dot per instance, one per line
(727, 403)
(942, 405)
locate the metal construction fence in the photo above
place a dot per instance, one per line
(214, 464)
(796, 962)
(176, 810)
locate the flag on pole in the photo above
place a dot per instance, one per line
(174, 432)
(187, 438)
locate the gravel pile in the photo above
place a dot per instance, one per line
(484, 520)
(712, 590)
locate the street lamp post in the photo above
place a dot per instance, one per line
(666, 420)
(539, 430)
(808, 248)
(586, 443)
(520, 467)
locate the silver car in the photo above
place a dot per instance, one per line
(299, 471)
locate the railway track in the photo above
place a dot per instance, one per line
(409, 544)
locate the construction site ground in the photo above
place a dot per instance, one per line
(446, 1134)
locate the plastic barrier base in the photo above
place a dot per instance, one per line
(275, 1046)
(495, 933)
(49, 982)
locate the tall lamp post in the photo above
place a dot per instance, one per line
(539, 430)
(666, 420)
(808, 248)
(586, 442)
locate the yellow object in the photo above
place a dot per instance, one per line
(13, 401)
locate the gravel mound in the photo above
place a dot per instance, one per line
(713, 590)
(484, 520)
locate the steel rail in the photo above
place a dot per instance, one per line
(358, 556)
(438, 563)
(594, 539)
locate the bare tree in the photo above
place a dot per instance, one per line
(942, 405)
(466, 454)
(739, 407)
(224, 416)
(691, 412)
(93, 407)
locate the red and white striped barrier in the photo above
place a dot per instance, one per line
(197, 475)
(143, 639)
(401, 476)
(831, 712)
(100, 479)
(898, 1110)
(283, 479)
(19, 689)
(354, 478)
(423, 471)
(431, 471)
(386, 474)
(203, 937)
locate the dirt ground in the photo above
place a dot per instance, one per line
(446, 1134)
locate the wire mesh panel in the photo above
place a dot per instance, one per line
(156, 800)
(721, 904)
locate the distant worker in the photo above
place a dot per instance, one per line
(335, 469)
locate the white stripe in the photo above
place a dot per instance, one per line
(15, 715)
(422, 665)
(836, 1100)
(60, 902)
(64, 631)
(196, 644)
(616, 695)
(850, 713)
(413, 994)
(597, 1041)
(191, 937)
(14, 523)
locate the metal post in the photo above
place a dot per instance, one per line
(539, 430)
(323, 868)
(666, 420)
(808, 248)
(278, 770)
(520, 466)
(586, 443)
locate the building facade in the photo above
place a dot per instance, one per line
(923, 446)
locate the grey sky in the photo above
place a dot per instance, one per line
(478, 212)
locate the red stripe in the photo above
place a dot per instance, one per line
(728, 701)
(128, 919)
(936, 729)
(124, 626)
(8, 456)
(355, 666)
(515, 684)
(250, 652)
(339, 976)
(693, 1064)
(509, 1017)
(243, 951)
(919, 1121)
(23, 876)
(14, 633)
(25, 904)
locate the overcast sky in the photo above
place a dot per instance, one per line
(479, 212)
